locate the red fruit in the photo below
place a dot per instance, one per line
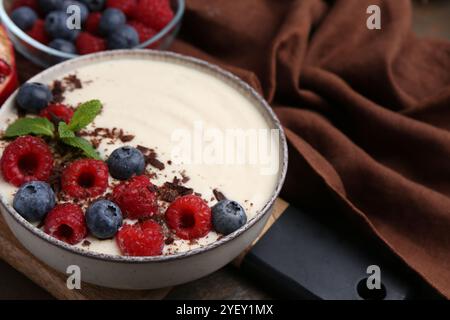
(126, 6)
(189, 216)
(5, 68)
(154, 13)
(88, 43)
(26, 159)
(38, 33)
(141, 239)
(8, 77)
(92, 22)
(85, 178)
(25, 3)
(144, 32)
(66, 223)
(57, 113)
(136, 198)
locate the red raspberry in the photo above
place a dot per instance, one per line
(25, 3)
(136, 198)
(26, 159)
(5, 69)
(66, 223)
(189, 216)
(38, 33)
(57, 113)
(126, 6)
(141, 239)
(88, 43)
(92, 22)
(144, 32)
(85, 178)
(154, 13)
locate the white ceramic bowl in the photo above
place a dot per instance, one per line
(145, 272)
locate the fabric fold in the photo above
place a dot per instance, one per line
(366, 112)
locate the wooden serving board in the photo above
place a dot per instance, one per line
(12, 252)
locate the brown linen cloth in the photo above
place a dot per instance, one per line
(366, 112)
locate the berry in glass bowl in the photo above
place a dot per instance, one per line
(50, 31)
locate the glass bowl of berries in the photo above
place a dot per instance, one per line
(50, 31)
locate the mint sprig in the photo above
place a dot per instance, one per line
(68, 137)
(36, 126)
(82, 117)
(83, 145)
(64, 131)
(85, 114)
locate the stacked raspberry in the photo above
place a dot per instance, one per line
(28, 162)
(104, 24)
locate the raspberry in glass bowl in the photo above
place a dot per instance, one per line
(38, 29)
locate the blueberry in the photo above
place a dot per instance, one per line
(228, 216)
(125, 37)
(33, 97)
(94, 5)
(34, 200)
(103, 219)
(24, 17)
(84, 11)
(63, 45)
(56, 26)
(125, 162)
(49, 5)
(111, 20)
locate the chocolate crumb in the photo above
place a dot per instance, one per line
(86, 243)
(95, 143)
(176, 181)
(169, 241)
(58, 90)
(143, 149)
(219, 195)
(169, 191)
(73, 82)
(151, 157)
(156, 163)
(126, 137)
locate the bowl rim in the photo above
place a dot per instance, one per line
(214, 70)
(13, 28)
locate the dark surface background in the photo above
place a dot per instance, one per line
(431, 18)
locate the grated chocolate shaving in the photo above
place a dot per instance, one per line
(151, 157)
(58, 90)
(126, 137)
(155, 163)
(218, 195)
(86, 243)
(169, 240)
(72, 82)
(169, 191)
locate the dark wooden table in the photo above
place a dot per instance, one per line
(431, 18)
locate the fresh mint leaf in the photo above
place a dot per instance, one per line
(83, 145)
(85, 114)
(64, 131)
(68, 137)
(36, 126)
